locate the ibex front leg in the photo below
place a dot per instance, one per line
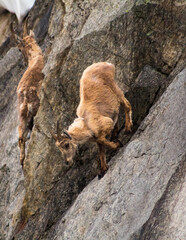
(23, 131)
(102, 156)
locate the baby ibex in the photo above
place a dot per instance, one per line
(29, 86)
(98, 110)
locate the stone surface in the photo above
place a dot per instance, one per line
(145, 41)
(5, 20)
(12, 180)
(147, 87)
(142, 196)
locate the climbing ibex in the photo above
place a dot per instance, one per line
(29, 86)
(98, 110)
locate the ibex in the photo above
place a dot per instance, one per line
(100, 99)
(29, 86)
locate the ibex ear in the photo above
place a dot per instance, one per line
(32, 34)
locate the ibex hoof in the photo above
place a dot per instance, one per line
(120, 144)
(22, 161)
(100, 175)
(128, 129)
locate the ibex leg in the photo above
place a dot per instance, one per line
(126, 104)
(23, 131)
(128, 115)
(102, 157)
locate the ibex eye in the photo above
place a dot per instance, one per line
(66, 146)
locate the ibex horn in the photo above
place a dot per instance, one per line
(58, 132)
(67, 134)
(53, 135)
(16, 37)
(12, 28)
(25, 28)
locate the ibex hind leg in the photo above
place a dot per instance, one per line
(106, 128)
(31, 123)
(114, 134)
(22, 150)
(128, 114)
(126, 104)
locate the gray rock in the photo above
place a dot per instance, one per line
(10, 68)
(148, 87)
(145, 41)
(5, 20)
(12, 180)
(143, 193)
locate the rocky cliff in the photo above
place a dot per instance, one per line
(142, 196)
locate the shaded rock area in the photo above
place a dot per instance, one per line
(147, 87)
(145, 40)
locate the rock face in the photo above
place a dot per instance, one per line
(145, 41)
(142, 196)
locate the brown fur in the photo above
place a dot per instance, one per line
(98, 110)
(29, 86)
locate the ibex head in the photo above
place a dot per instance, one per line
(27, 44)
(65, 144)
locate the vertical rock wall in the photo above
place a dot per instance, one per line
(144, 40)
